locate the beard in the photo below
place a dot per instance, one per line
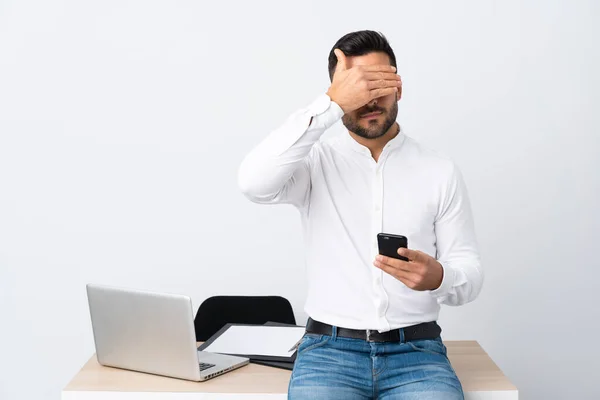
(375, 129)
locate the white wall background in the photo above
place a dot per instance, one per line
(122, 125)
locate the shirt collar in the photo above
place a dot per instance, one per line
(354, 145)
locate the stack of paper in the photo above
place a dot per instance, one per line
(257, 342)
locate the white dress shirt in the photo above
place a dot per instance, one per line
(346, 198)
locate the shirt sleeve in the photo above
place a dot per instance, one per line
(278, 169)
(456, 245)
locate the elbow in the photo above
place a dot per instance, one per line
(251, 186)
(246, 183)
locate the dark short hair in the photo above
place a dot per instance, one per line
(358, 44)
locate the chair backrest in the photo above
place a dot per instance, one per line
(217, 311)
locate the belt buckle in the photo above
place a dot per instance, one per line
(368, 335)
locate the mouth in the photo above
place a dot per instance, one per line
(371, 115)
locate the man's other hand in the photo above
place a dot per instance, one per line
(352, 88)
(420, 272)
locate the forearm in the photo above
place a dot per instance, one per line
(266, 170)
(461, 283)
(457, 249)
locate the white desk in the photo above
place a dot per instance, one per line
(479, 375)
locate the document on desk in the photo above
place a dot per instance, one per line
(256, 340)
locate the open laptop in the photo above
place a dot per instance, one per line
(151, 332)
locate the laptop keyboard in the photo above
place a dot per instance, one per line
(205, 366)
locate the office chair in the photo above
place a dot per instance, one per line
(217, 311)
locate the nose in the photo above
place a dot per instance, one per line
(372, 103)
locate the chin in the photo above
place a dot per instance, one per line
(373, 129)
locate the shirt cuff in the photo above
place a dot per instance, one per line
(442, 292)
(327, 111)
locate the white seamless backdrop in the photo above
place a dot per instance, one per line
(123, 123)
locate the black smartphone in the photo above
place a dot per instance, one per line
(389, 245)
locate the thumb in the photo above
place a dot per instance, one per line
(341, 60)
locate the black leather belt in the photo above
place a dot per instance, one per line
(426, 330)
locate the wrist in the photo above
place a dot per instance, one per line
(324, 112)
(334, 99)
(440, 277)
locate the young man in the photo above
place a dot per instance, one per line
(372, 330)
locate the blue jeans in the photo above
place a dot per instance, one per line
(336, 368)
